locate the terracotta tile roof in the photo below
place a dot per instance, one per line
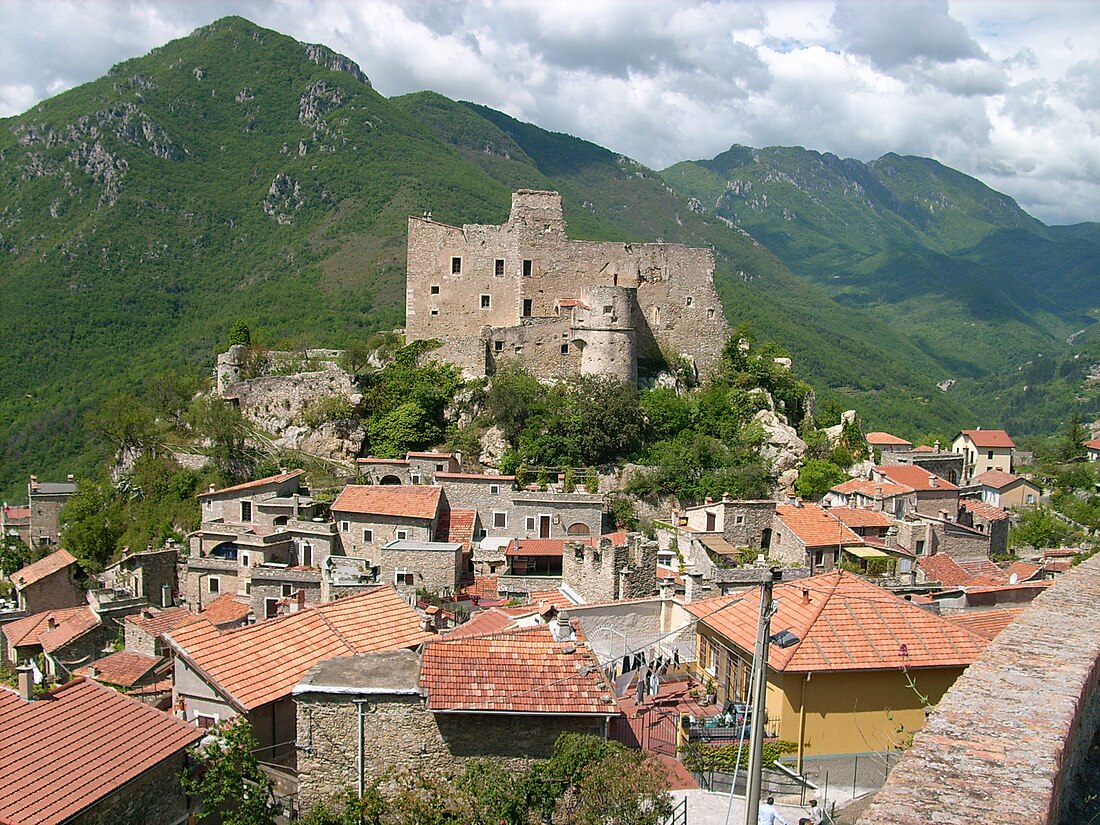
(535, 547)
(36, 571)
(456, 527)
(857, 517)
(617, 538)
(429, 455)
(487, 623)
(980, 508)
(987, 623)
(924, 448)
(122, 668)
(886, 439)
(988, 438)
(997, 479)
(814, 527)
(480, 476)
(944, 569)
(846, 624)
(248, 485)
(259, 663)
(916, 477)
(25, 512)
(1022, 570)
(983, 572)
(573, 302)
(30, 629)
(484, 587)
(1094, 444)
(524, 671)
(870, 489)
(82, 741)
(157, 622)
(412, 501)
(225, 610)
(549, 597)
(669, 573)
(83, 621)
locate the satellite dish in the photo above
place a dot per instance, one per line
(1013, 579)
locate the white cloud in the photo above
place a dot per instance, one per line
(1007, 91)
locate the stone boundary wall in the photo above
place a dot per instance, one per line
(1005, 742)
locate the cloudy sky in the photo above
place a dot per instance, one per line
(1005, 90)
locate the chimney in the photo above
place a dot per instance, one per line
(211, 489)
(165, 595)
(805, 595)
(933, 481)
(92, 672)
(26, 683)
(426, 625)
(709, 500)
(297, 502)
(936, 445)
(51, 623)
(69, 477)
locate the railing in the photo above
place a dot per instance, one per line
(679, 814)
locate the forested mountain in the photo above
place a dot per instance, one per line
(239, 174)
(987, 291)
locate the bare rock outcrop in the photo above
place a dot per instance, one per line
(781, 448)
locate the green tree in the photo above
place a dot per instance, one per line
(626, 788)
(1071, 447)
(1039, 528)
(229, 781)
(94, 520)
(222, 425)
(124, 424)
(14, 555)
(239, 333)
(816, 477)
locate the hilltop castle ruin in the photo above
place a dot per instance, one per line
(561, 307)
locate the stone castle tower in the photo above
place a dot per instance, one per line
(523, 290)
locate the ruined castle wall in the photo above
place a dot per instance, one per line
(276, 402)
(543, 345)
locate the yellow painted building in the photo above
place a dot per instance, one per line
(865, 668)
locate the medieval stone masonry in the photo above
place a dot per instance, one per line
(525, 291)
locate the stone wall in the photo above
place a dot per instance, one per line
(415, 740)
(261, 590)
(138, 641)
(274, 403)
(462, 280)
(1005, 743)
(57, 590)
(155, 796)
(608, 572)
(433, 570)
(194, 579)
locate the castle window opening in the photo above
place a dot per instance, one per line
(527, 268)
(434, 311)
(500, 520)
(485, 301)
(368, 536)
(246, 511)
(498, 267)
(402, 535)
(656, 316)
(608, 309)
(435, 289)
(565, 349)
(527, 307)
(578, 553)
(689, 301)
(710, 314)
(498, 346)
(456, 265)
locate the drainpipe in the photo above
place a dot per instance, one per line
(360, 704)
(802, 722)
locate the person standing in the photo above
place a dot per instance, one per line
(816, 817)
(769, 815)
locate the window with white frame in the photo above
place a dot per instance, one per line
(738, 520)
(416, 478)
(402, 534)
(494, 489)
(345, 526)
(206, 720)
(288, 590)
(401, 576)
(500, 520)
(244, 559)
(529, 524)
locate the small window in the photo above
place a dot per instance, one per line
(527, 307)
(494, 489)
(244, 559)
(208, 504)
(920, 547)
(990, 455)
(596, 557)
(578, 553)
(710, 314)
(819, 558)
(689, 301)
(271, 608)
(608, 309)
(415, 478)
(498, 267)
(402, 576)
(345, 526)
(527, 267)
(439, 468)
(368, 535)
(498, 346)
(248, 588)
(402, 535)
(246, 511)
(485, 301)
(433, 312)
(206, 721)
(456, 266)
(529, 524)
(435, 289)
(500, 520)
(214, 585)
(288, 590)
(565, 349)
(738, 520)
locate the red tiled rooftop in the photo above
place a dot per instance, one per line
(870, 489)
(813, 525)
(857, 517)
(372, 460)
(36, 571)
(989, 439)
(524, 671)
(430, 455)
(944, 569)
(259, 663)
(845, 624)
(30, 629)
(981, 508)
(877, 439)
(1094, 444)
(456, 527)
(1022, 570)
(411, 501)
(487, 623)
(987, 623)
(16, 512)
(916, 477)
(535, 547)
(996, 479)
(248, 485)
(225, 610)
(82, 621)
(80, 742)
(553, 598)
(122, 668)
(156, 622)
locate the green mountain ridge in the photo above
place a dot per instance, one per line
(236, 173)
